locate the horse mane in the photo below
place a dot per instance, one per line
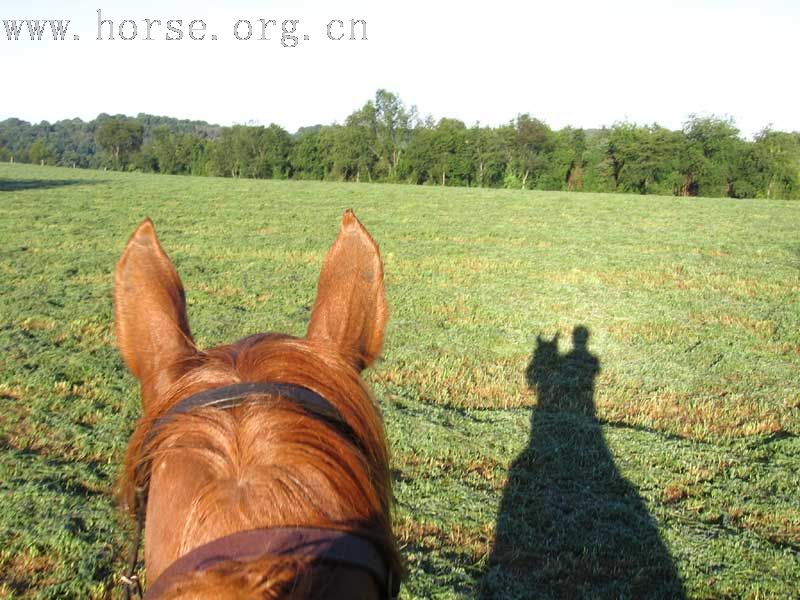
(270, 466)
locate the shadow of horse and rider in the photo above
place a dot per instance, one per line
(569, 524)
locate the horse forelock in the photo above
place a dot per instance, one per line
(276, 466)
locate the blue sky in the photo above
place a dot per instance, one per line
(578, 63)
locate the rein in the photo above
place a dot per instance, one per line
(324, 545)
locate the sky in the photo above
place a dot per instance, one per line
(579, 63)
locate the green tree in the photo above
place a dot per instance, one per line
(249, 151)
(278, 145)
(307, 157)
(565, 164)
(393, 131)
(416, 164)
(488, 155)
(769, 167)
(173, 153)
(40, 153)
(597, 171)
(533, 143)
(645, 160)
(120, 137)
(357, 152)
(451, 154)
(163, 148)
(713, 146)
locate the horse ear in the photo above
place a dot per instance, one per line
(350, 311)
(150, 309)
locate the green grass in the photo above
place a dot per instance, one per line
(676, 465)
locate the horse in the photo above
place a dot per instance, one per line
(260, 467)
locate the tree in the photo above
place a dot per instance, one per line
(353, 152)
(533, 143)
(565, 164)
(40, 153)
(307, 158)
(451, 154)
(120, 137)
(357, 149)
(173, 153)
(488, 154)
(768, 167)
(249, 151)
(597, 170)
(713, 145)
(162, 148)
(645, 160)
(278, 148)
(392, 129)
(416, 164)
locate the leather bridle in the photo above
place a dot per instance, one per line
(327, 546)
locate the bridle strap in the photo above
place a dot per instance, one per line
(229, 397)
(326, 546)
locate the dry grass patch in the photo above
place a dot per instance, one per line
(21, 570)
(763, 328)
(475, 543)
(459, 382)
(693, 415)
(776, 527)
(415, 465)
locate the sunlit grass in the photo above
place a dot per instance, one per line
(693, 306)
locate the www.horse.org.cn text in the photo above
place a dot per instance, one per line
(289, 33)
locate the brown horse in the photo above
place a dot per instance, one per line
(284, 492)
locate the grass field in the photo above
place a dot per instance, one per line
(650, 450)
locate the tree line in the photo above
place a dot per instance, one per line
(386, 141)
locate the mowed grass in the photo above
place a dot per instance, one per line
(657, 457)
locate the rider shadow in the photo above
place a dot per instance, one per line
(569, 524)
